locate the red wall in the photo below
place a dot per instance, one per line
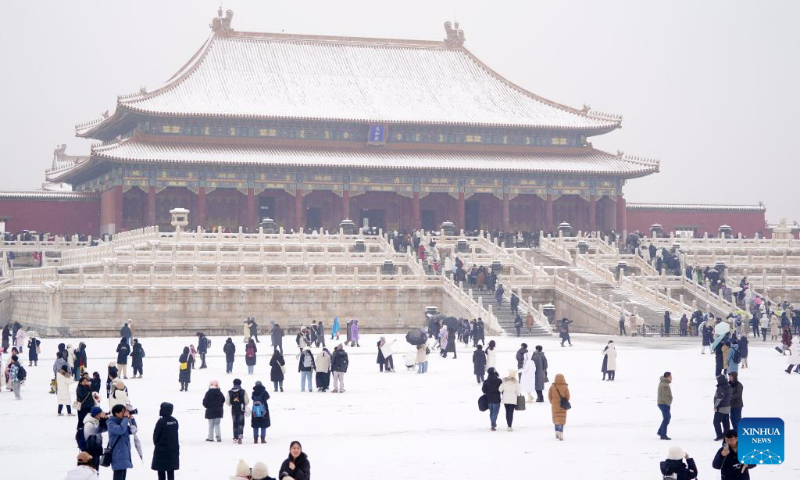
(745, 222)
(52, 216)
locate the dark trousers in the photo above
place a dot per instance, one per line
(228, 367)
(736, 415)
(510, 413)
(278, 346)
(480, 377)
(764, 334)
(255, 335)
(622, 331)
(666, 416)
(120, 474)
(137, 370)
(238, 423)
(721, 424)
(203, 360)
(565, 338)
(166, 475)
(666, 329)
(69, 409)
(718, 359)
(539, 395)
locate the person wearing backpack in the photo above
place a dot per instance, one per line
(230, 351)
(213, 403)
(136, 358)
(305, 366)
(250, 355)
(339, 364)
(238, 401)
(734, 357)
(259, 416)
(16, 375)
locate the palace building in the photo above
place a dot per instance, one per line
(309, 130)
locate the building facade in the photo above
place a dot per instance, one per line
(698, 219)
(309, 130)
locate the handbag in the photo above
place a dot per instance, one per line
(283, 369)
(520, 403)
(184, 365)
(564, 402)
(483, 403)
(106, 457)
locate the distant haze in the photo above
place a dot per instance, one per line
(709, 88)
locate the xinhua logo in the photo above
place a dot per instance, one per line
(761, 441)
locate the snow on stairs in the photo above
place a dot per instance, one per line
(506, 318)
(652, 313)
(546, 258)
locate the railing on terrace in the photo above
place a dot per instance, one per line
(476, 308)
(724, 243)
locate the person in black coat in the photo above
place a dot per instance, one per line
(727, 459)
(123, 350)
(81, 362)
(83, 396)
(297, 465)
(202, 348)
(674, 467)
(250, 355)
(479, 363)
(259, 413)
(667, 321)
(743, 343)
(185, 373)
(230, 350)
(136, 358)
(97, 382)
(491, 387)
(166, 457)
(254, 329)
(214, 402)
(722, 406)
(276, 372)
(277, 337)
(113, 373)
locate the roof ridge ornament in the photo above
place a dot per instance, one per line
(455, 36)
(222, 25)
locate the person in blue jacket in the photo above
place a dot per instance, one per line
(121, 425)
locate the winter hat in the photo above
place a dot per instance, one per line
(259, 384)
(84, 457)
(118, 384)
(260, 471)
(512, 373)
(237, 382)
(675, 453)
(242, 469)
(95, 411)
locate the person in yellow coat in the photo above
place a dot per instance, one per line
(559, 391)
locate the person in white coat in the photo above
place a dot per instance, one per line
(119, 395)
(63, 383)
(528, 379)
(609, 361)
(84, 471)
(491, 355)
(510, 390)
(794, 358)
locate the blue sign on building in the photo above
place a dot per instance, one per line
(377, 135)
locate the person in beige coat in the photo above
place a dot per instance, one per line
(559, 390)
(422, 358)
(774, 327)
(119, 395)
(64, 382)
(323, 362)
(510, 390)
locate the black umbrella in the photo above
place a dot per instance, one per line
(416, 337)
(452, 323)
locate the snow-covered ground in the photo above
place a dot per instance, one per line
(403, 425)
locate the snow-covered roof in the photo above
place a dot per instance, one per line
(264, 75)
(696, 207)
(593, 161)
(47, 195)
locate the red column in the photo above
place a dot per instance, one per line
(150, 220)
(548, 213)
(461, 211)
(592, 213)
(345, 204)
(298, 209)
(251, 209)
(622, 224)
(506, 214)
(117, 208)
(415, 212)
(201, 207)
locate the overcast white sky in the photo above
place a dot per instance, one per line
(708, 87)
